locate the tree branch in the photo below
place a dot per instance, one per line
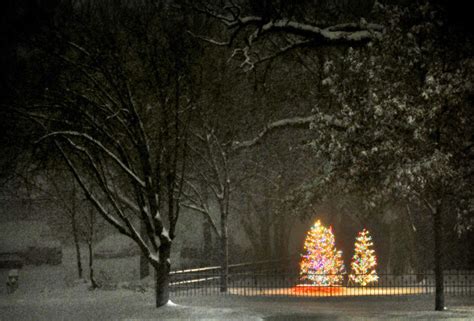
(98, 144)
(347, 33)
(298, 122)
(254, 28)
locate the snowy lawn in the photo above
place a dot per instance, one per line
(338, 308)
(52, 293)
(54, 277)
(78, 303)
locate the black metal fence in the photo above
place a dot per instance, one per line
(271, 278)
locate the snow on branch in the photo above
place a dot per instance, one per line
(198, 204)
(205, 213)
(253, 28)
(98, 144)
(210, 40)
(339, 33)
(111, 193)
(97, 204)
(299, 122)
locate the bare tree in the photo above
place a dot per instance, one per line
(70, 207)
(211, 171)
(119, 119)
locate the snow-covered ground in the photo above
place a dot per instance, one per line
(54, 277)
(52, 293)
(78, 303)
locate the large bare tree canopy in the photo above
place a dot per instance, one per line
(118, 116)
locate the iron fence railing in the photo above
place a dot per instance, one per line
(268, 280)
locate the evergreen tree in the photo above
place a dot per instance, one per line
(364, 260)
(321, 263)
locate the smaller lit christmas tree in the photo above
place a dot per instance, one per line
(321, 264)
(364, 260)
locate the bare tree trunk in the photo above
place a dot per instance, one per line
(144, 264)
(75, 232)
(162, 290)
(207, 236)
(91, 266)
(390, 249)
(208, 247)
(91, 252)
(438, 253)
(264, 233)
(224, 261)
(281, 232)
(224, 253)
(76, 243)
(414, 257)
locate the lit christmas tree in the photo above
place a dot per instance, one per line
(321, 264)
(364, 260)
